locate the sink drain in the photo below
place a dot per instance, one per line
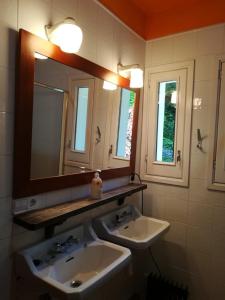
(75, 283)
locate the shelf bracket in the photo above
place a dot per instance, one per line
(120, 201)
(49, 231)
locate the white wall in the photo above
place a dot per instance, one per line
(193, 250)
(106, 42)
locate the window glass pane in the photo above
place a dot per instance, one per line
(81, 119)
(124, 133)
(167, 98)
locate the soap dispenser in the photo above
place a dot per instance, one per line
(96, 186)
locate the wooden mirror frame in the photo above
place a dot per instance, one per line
(23, 185)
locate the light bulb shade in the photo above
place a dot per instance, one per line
(67, 35)
(136, 78)
(109, 86)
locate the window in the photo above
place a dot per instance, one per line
(167, 123)
(79, 123)
(167, 96)
(220, 145)
(217, 134)
(125, 123)
(81, 119)
(119, 127)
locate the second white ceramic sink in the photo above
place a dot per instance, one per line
(127, 227)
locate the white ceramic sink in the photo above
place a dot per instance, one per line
(126, 226)
(73, 262)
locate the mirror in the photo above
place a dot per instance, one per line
(67, 125)
(78, 126)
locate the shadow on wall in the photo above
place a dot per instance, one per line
(181, 266)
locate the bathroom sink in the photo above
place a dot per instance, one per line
(73, 263)
(126, 226)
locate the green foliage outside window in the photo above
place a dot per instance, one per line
(132, 98)
(169, 124)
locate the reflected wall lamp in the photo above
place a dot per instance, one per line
(66, 34)
(134, 72)
(109, 86)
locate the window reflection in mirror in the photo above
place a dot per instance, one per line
(80, 115)
(125, 122)
(76, 122)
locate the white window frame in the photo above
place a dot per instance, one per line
(176, 173)
(63, 135)
(213, 128)
(111, 160)
(74, 157)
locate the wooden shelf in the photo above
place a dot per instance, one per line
(55, 215)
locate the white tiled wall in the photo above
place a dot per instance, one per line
(193, 250)
(106, 42)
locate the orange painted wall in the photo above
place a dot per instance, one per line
(183, 16)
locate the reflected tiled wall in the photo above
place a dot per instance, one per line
(106, 42)
(193, 251)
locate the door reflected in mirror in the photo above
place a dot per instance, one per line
(77, 125)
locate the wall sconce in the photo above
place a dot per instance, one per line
(134, 72)
(66, 34)
(109, 86)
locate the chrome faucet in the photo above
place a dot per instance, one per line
(57, 248)
(61, 247)
(122, 216)
(70, 241)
